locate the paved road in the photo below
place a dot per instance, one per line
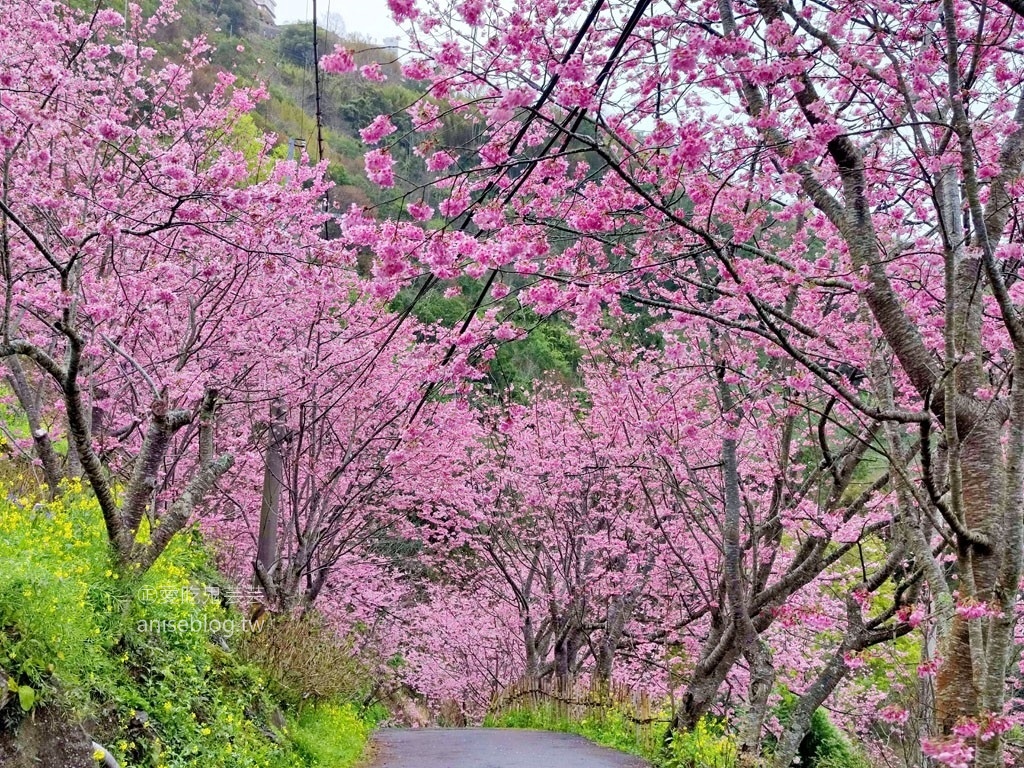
(492, 748)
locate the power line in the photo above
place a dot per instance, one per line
(317, 111)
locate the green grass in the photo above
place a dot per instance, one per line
(78, 639)
(329, 735)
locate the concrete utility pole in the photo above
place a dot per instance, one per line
(295, 144)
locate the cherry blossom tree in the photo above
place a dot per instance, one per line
(140, 255)
(836, 184)
(785, 234)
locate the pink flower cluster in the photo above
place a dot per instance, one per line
(954, 754)
(380, 167)
(338, 62)
(378, 129)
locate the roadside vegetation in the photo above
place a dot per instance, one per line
(154, 670)
(711, 744)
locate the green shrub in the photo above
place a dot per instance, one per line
(706, 746)
(829, 747)
(612, 728)
(328, 735)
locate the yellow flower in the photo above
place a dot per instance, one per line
(98, 754)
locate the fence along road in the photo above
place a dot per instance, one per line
(492, 748)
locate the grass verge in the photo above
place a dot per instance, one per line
(149, 669)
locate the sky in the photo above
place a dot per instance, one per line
(368, 18)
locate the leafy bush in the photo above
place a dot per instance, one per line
(829, 747)
(706, 746)
(328, 735)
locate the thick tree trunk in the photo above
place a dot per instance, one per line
(762, 678)
(270, 505)
(702, 689)
(800, 718)
(530, 644)
(983, 475)
(1001, 626)
(561, 651)
(52, 473)
(618, 615)
(604, 659)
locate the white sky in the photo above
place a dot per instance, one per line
(368, 18)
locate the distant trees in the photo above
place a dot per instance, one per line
(295, 42)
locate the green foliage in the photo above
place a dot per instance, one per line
(328, 735)
(235, 17)
(56, 596)
(706, 746)
(435, 308)
(828, 747)
(295, 43)
(824, 746)
(548, 351)
(247, 138)
(78, 639)
(26, 697)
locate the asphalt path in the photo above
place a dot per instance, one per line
(492, 748)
